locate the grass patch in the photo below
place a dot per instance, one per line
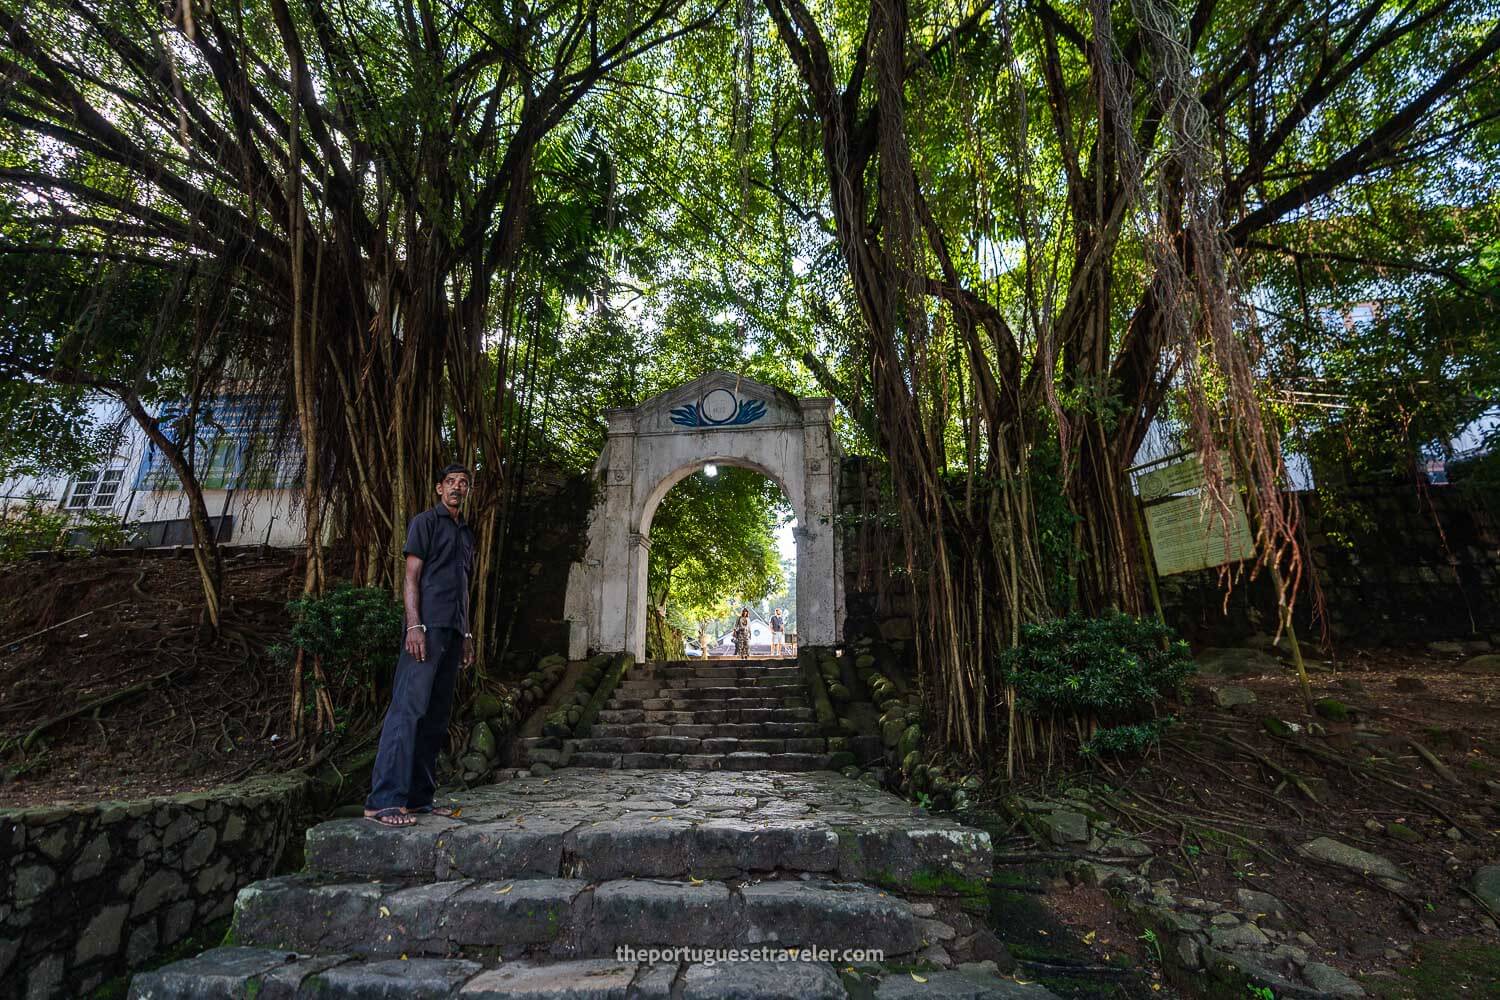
(1443, 970)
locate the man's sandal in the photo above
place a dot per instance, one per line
(391, 816)
(447, 812)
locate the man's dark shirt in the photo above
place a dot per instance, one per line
(446, 547)
(776, 624)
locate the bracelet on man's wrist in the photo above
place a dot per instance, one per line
(422, 627)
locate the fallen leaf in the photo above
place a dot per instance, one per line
(501, 892)
(1089, 937)
(403, 956)
(385, 911)
(918, 979)
(695, 881)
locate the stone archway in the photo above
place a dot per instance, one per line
(728, 420)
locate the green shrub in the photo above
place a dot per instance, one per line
(36, 526)
(1111, 672)
(39, 525)
(106, 529)
(355, 631)
(1126, 740)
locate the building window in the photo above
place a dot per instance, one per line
(95, 488)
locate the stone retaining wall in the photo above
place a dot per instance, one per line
(1421, 567)
(92, 890)
(1409, 567)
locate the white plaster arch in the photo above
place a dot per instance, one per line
(729, 420)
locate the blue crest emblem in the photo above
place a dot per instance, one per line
(719, 408)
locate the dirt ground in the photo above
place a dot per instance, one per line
(1411, 773)
(187, 712)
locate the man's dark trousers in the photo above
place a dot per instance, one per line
(416, 724)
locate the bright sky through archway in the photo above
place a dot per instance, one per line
(786, 544)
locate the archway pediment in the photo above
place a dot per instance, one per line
(718, 400)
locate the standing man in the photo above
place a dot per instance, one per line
(778, 632)
(439, 558)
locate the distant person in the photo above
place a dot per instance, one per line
(778, 632)
(439, 559)
(742, 635)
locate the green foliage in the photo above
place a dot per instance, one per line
(105, 529)
(712, 543)
(355, 632)
(1113, 669)
(37, 526)
(1055, 521)
(1127, 740)
(1152, 942)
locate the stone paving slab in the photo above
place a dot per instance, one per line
(240, 972)
(417, 978)
(955, 985)
(298, 912)
(566, 918)
(598, 979)
(828, 915)
(220, 972)
(752, 980)
(600, 824)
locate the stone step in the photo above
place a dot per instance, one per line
(667, 703)
(717, 678)
(689, 744)
(665, 825)
(716, 694)
(706, 715)
(736, 730)
(733, 744)
(719, 670)
(690, 667)
(275, 973)
(493, 920)
(719, 686)
(658, 760)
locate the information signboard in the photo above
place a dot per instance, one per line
(1188, 531)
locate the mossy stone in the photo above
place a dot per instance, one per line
(1276, 727)
(911, 739)
(1403, 833)
(1332, 709)
(486, 706)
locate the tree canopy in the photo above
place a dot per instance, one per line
(1008, 237)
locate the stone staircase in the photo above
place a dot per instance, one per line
(541, 884)
(731, 715)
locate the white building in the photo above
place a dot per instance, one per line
(252, 496)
